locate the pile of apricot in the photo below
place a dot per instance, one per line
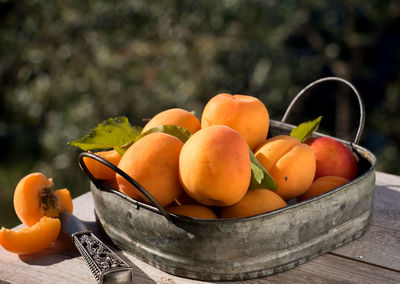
(38, 207)
(209, 175)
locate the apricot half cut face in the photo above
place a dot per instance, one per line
(31, 239)
(34, 198)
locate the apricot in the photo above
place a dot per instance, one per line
(195, 211)
(289, 162)
(31, 239)
(214, 166)
(174, 116)
(245, 114)
(254, 202)
(322, 185)
(185, 199)
(34, 198)
(333, 158)
(100, 171)
(153, 162)
(112, 183)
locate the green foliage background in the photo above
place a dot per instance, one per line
(68, 65)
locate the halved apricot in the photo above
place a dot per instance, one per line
(34, 198)
(31, 239)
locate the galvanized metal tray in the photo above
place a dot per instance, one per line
(245, 248)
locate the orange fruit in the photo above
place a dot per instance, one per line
(214, 166)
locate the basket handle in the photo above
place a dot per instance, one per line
(97, 183)
(326, 79)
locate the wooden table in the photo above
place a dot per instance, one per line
(373, 258)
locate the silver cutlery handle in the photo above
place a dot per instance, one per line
(105, 265)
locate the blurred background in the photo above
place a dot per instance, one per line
(66, 66)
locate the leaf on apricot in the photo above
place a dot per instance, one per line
(111, 133)
(174, 130)
(260, 178)
(306, 129)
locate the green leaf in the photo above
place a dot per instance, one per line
(121, 150)
(111, 133)
(306, 129)
(174, 130)
(260, 178)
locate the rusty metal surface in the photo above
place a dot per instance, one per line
(238, 249)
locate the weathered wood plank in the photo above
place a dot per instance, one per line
(333, 269)
(54, 266)
(378, 246)
(324, 269)
(46, 267)
(387, 201)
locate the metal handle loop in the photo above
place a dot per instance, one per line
(326, 79)
(124, 175)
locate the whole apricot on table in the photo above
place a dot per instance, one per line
(34, 198)
(333, 158)
(174, 116)
(195, 211)
(100, 171)
(322, 185)
(214, 166)
(245, 114)
(289, 162)
(254, 202)
(153, 162)
(31, 239)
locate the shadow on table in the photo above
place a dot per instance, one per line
(61, 250)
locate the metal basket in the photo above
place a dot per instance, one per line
(244, 248)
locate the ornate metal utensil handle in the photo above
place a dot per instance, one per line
(106, 266)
